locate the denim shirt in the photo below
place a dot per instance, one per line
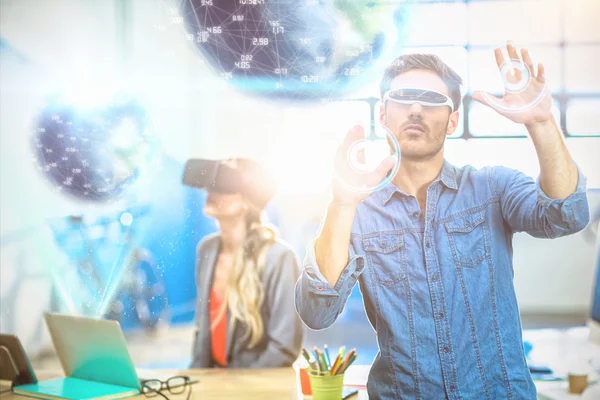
(438, 288)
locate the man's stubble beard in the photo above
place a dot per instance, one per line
(422, 156)
(424, 153)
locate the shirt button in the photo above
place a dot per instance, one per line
(435, 277)
(427, 244)
(446, 349)
(441, 315)
(415, 215)
(452, 388)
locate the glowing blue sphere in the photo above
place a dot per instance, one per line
(92, 154)
(294, 49)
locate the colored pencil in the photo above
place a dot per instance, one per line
(326, 369)
(326, 351)
(335, 363)
(308, 358)
(316, 354)
(339, 359)
(349, 362)
(305, 355)
(342, 368)
(320, 360)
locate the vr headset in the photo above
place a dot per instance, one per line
(247, 178)
(425, 97)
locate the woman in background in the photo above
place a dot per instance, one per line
(245, 277)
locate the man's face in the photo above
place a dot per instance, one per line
(420, 130)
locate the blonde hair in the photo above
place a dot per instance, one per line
(245, 293)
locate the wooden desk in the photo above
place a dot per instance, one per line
(249, 384)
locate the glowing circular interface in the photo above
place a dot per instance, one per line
(362, 158)
(516, 78)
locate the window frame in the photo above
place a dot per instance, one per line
(562, 98)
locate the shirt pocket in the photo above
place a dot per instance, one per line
(385, 256)
(468, 241)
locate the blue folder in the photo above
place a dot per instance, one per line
(74, 388)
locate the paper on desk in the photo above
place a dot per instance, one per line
(356, 375)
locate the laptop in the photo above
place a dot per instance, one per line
(14, 364)
(95, 350)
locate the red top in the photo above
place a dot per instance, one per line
(219, 331)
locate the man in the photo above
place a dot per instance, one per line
(432, 250)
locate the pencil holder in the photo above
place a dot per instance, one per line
(325, 386)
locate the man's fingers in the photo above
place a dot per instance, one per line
(478, 96)
(527, 61)
(382, 169)
(354, 135)
(514, 74)
(499, 57)
(512, 51)
(487, 98)
(386, 165)
(541, 73)
(361, 157)
(481, 96)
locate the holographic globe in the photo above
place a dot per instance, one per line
(93, 153)
(293, 49)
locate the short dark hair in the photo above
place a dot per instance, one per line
(431, 62)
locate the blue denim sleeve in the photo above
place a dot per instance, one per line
(317, 302)
(526, 208)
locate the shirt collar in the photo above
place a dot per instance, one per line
(386, 193)
(447, 177)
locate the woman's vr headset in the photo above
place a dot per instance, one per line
(242, 176)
